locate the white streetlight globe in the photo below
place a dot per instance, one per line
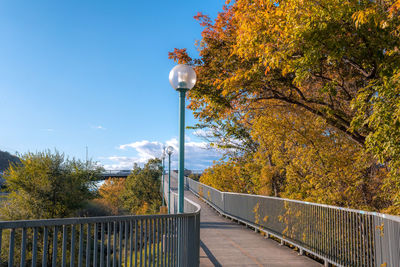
(182, 76)
(170, 150)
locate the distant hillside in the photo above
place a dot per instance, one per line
(5, 159)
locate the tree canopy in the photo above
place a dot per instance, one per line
(142, 188)
(47, 185)
(304, 97)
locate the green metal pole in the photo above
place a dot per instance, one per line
(182, 94)
(162, 182)
(169, 183)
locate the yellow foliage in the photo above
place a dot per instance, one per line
(110, 193)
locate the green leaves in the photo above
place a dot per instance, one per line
(48, 185)
(141, 194)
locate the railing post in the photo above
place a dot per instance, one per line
(193, 232)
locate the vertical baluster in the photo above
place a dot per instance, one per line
(45, 246)
(141, 243)
(72, 254)
(318, 227)
(320, 224)
(34, 246)
(371, 240)
(55, 238)
(1, 238)
(154, 241)
(150, 241)
(353, 243)
(170, 233)
(88, 245)
(348, 239)
(157, 241)
(335, 235)
(171, 241)
(167, 241)
(95, 248)
(115, 245)
(126, 244)
(109, 244)
(340, 237)
(136, 240)
(80, 252)
(186, 235)
(173, 247)
(363, 235)
(344, 236)
(329, 228)
(357, 238)
(179, 242)
(176, 245)
(131, 243)
(102, 245)
(145, 242)
(355, 233)
(311, 225)
(177, 248)
(361, 239)
(120, 244)
(366, 239)
(325, 231)
(23, 247)
(64, 247)
(162, 245)
(185, 240)
(352, 261)
(11, 248)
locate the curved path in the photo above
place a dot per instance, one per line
(224, 243)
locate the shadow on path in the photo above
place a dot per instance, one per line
(217, 225)
(210, 255)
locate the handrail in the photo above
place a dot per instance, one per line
(339, 236)
(135, 240)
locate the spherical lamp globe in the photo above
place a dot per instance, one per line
(170, 150)
(182, 76)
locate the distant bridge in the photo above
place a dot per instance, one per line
(125, 173)
(115, 173)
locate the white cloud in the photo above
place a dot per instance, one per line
(198, 155)
(98, 127)
(120, 163)
(48, 130)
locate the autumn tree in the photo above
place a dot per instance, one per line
(307, 90)
(110, 194)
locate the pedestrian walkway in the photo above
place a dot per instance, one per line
(224, 243)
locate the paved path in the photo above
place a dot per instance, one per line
(224, 243)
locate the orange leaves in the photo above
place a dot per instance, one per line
(180, 56)
(110, 193)
(395, 8)
(204, 20)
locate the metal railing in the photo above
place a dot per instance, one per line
(340, 236)
(148, 240)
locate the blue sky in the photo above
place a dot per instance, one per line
(95, 73)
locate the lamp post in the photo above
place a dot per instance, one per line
(182, 79)
(169, 151)
(162, 180)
